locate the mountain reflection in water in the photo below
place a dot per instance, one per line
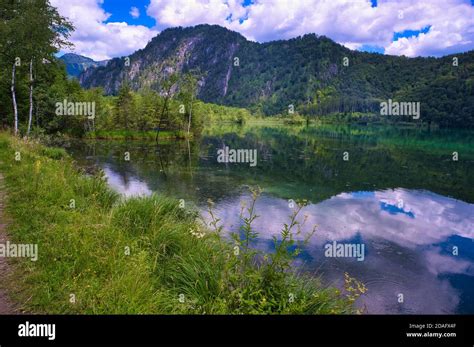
(400, 194)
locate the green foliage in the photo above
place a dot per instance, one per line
(446, 99)
(54, 153)
(254, 282)
(173, 113)
(140, 255)
(213, 113)
(307, 71)
(124, 107)
(31, 33)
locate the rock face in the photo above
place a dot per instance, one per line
(270, 76)
(76, 64)
(208, 48)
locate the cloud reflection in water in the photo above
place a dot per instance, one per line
(402, 242)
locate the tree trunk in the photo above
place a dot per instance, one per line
(190, 114)
(30, 115)
(126, 117)
(15, 108)
(165, 106)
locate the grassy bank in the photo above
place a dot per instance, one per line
(136, 135)
(100, 254)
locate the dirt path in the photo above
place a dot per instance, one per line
(6, 305)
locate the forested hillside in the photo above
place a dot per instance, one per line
(210, 64)
(33, 82)
(77, 64)
(315, 74)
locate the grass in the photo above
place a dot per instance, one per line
(101, 254)
(136, 135)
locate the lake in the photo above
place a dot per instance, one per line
(399, 192)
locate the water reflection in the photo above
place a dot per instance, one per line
(408, 251)
(399, 194)
(125, 184)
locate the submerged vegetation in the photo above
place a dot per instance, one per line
(101, 254)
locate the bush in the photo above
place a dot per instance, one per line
(144, 254)
(54, 153)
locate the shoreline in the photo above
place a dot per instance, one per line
(100, 254)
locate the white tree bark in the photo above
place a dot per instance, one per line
(30, 115)
(15, 108)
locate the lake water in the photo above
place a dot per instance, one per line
(399, 193)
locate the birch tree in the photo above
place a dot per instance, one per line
(10, 40)
(48, 33)
(188, 92)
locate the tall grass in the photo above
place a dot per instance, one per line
(101, 254)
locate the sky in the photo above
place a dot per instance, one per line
(113, 28)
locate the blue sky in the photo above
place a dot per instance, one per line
(111, 28)
(120, 12)
(396, 36)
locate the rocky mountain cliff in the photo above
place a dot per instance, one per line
(307, 70)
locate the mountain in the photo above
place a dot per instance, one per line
(76, 64)
(311, 72)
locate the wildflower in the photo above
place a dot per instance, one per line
(196, 234)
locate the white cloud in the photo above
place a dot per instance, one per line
(403, 252)
(134, 12)
(452, 30)
(351, 22)
(99, 40)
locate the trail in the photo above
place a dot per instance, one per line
(6, 305)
